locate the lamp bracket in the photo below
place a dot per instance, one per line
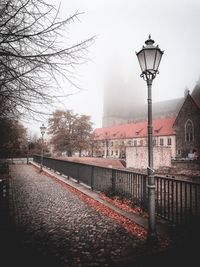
(150, 170)
(148, 75)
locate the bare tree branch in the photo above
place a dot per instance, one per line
(31, 57)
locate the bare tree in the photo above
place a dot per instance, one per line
(83, 128)
(33, 54)
(69, 132)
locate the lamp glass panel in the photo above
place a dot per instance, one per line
(150, 55)
(158, 58)
(141, 60)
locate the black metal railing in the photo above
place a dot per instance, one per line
(177, 201)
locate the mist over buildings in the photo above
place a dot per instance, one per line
(122, 93)
(111, 80)
(125, 101)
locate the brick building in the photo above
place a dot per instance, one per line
(176, 125)
(187, 128)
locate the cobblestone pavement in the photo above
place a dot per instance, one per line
(56, 228)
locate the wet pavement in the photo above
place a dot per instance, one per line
(50, 226)
(55, 228)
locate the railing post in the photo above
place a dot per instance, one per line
(113, 180)
(78, 178)
(54, 165)
(92, 177)
(145, 191)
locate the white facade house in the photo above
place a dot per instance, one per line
(112, 141)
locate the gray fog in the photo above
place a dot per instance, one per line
(121, 27)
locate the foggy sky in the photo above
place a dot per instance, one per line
(121, 27)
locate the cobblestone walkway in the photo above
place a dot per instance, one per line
(56, 228)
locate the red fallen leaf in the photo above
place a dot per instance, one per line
(125, 205)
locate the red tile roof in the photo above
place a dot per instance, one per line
(161, 127)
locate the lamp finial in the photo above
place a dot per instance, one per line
(149, 41)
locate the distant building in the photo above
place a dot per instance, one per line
(163, 109)
(176, 125)
(124, 105)
(113, 140)
(187, 128)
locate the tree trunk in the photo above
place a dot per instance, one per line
(69, 153)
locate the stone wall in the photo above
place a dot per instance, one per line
(188, 165)
(137, 157)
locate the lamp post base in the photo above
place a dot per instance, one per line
(152, 241)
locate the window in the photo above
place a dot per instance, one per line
(129, 142)
(154, 142)
(161, 141)
(123, 155)
(169, 141)
(116, 152)
(189, 131)
(135, 143)
(141, 142)
(111, 152)
(111, 143)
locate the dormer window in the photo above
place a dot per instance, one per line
(138, 131)
(158, 130)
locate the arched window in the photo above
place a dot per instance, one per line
(189, 131)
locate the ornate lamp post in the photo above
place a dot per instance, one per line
(42, 130)
(149, 58)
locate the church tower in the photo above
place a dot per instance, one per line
(121, 99)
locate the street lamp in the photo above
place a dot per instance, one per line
(42, 130)
(149, 58)
(28, 143)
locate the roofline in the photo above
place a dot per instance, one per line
(189, 95)
(173, 134)
(136, 122)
